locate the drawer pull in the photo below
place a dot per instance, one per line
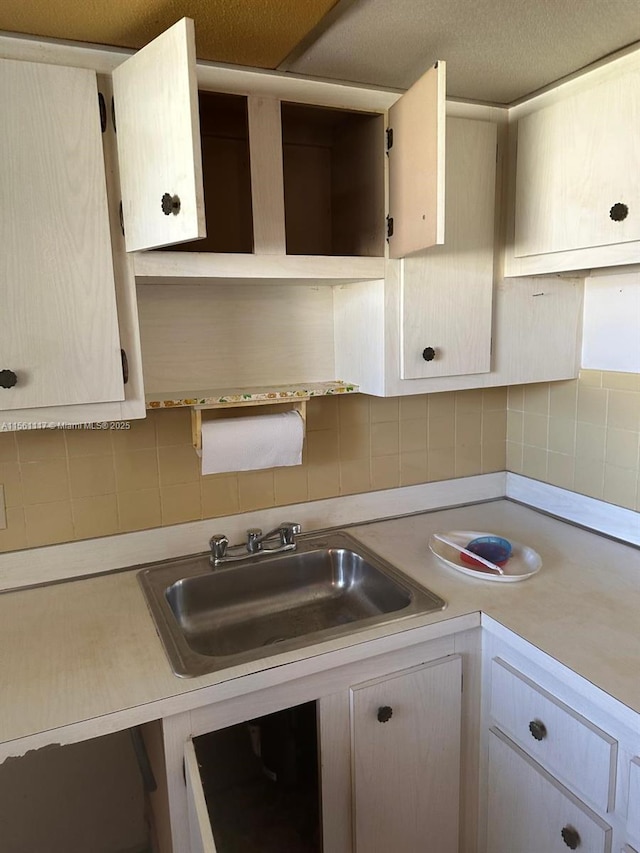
(384, 714)
(571, 837)
(538, 729)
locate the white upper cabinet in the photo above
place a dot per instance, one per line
(158, 133)
(577, 184)
(416, 148)
(430, 321)
(59, 339)
(259, 171)
(446, 291)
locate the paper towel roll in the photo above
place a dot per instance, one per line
(250, 443)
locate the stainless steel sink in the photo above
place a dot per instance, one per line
(329, 587)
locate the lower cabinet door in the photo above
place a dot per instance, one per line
(530, 812)
(633, 812)
(200, 832)
(406, 760)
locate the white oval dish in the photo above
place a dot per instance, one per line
(522, 564)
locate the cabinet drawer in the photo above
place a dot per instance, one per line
(633, 811)
(530, 812)
(563, 741)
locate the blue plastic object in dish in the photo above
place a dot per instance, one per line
(493, 548)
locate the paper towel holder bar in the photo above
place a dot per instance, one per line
(299, 404)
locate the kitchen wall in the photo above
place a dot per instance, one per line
(582, 435)
(611, 328)
(62, 485)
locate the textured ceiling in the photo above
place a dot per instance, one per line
(247, 32)
(496, 50)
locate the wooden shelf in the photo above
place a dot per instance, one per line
(246, 396)
(203, 267)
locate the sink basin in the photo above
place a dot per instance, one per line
(329, 587)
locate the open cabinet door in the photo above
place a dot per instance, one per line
(59, 338)
(417, 165)
(199, 824)
(158, 133)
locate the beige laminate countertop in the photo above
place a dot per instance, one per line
(86, 652)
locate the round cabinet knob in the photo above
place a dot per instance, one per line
(8, 379)
(170, 204)
(619, 212)
(428, 353)
(538, 729)
(384, 713)
(571, 837)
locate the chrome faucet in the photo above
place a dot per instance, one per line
(254, 546)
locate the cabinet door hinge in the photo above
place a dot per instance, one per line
(103, 112)
(113, 114)
(389, 139)
(389, 226)
(121, 217)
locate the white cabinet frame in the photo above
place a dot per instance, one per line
(331, 689)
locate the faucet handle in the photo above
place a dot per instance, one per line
(254, 537)
(218, 544)
(288, 532)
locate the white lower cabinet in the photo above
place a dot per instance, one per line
(370, 766)
(200, 832)
(530, 812)
(633, 809)
(389, 753)
(406, 760)
(578, 753)
(561, 764)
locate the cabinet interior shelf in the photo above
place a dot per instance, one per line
(213, 396)
(203, 267)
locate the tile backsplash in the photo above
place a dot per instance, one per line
(63, 485)
(582, 435)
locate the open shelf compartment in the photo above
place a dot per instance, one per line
(333, 162)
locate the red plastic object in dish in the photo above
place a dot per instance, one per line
(493, 548)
